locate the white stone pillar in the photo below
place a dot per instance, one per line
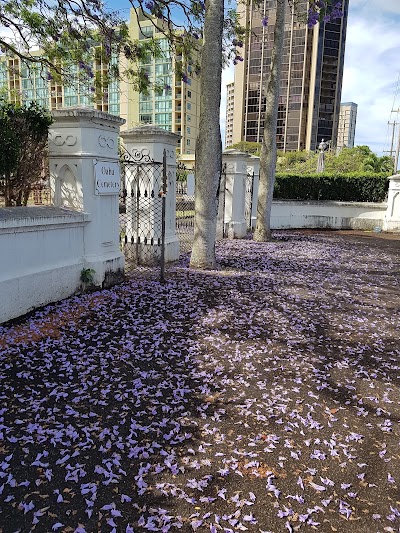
(235, 189)
(85, 176)
(392, 218)
(253, 166)
(146, 144)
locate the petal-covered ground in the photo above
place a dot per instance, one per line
(263, 397)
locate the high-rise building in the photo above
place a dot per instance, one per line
(24, 82)
(311, 81)
(347, 125)
(175, 107)
(230, 104)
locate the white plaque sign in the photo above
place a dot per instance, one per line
(107, 179)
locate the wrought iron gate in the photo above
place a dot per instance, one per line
(185, 190)
(142, 210)
(248, 202)
(185, 183)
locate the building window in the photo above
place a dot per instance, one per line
(188, 142)
(146, 119)
(188, 118)
(189, 105)
(188, 129)
(145, 32)
(189, 93)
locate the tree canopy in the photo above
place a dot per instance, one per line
(23, 137)
(357, 159)
(252, 148)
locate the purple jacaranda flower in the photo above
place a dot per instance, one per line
(221, 493)
(319, 488)
(345, 509)
(327, 481)
(264, 21)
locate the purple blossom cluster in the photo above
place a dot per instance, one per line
(260, 397)
(331, 13)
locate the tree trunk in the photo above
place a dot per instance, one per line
(208, 145)
(268, 147)
(7, 191)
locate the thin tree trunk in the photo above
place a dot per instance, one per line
(7, 191)
(208, 145)
(268, 147)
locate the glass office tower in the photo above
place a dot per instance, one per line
(311, 83)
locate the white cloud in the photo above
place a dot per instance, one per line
(376, 6)
(370, 76)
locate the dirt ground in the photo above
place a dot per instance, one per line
(261, 397)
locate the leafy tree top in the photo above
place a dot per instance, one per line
(357, 159)
(67, 31)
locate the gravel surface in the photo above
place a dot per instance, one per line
(262, 397)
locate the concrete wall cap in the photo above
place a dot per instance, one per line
(142, 132)
(36, 212)
(232, 152)
(85, 113)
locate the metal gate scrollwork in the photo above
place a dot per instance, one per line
(248, 202)
(142, 210)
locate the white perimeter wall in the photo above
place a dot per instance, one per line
(290, 214)
(41, 257)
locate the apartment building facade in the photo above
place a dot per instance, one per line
(311, 83)
(347, 125)
(176, 108)
(230, 106)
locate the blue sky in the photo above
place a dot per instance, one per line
(371, 71)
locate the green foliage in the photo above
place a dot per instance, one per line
(23, 136)
(353, 187)
(71, 33)
(64, 30)
(359, 159)
(87, 275)
(248, 147)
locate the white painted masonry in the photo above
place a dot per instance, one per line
(292, 214)
(392, 218)
(146, 144)
(80, 139)
(44, 249)
(42, 255)
(235, 186)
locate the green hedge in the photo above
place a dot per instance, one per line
(355, 187)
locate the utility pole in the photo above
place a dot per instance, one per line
(393, 133)
(396, 156)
